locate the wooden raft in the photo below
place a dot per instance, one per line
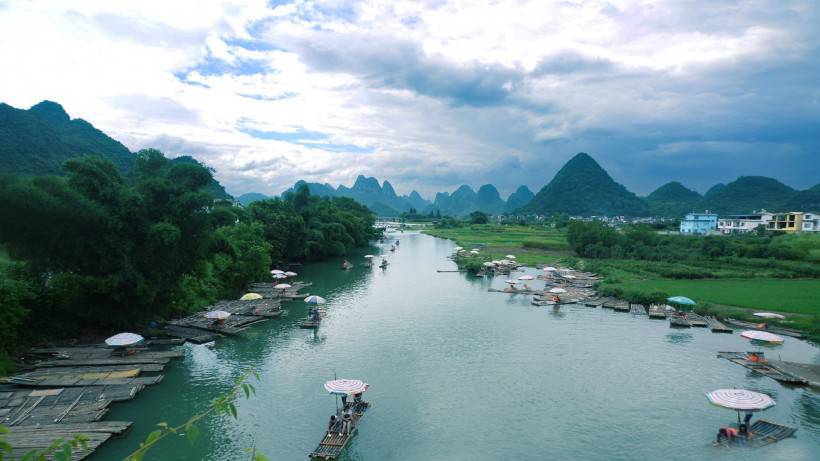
(26, 438)
(334, 440)
(763, 433)
(717, 326)
(696, 320)
(763, 368)
(772, 329)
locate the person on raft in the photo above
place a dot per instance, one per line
(331, 423)
(347, 422)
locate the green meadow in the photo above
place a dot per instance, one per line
(531, 245)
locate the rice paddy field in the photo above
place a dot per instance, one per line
(797, 296)
(531, 245)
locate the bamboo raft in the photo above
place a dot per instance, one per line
(776, 330)
(544, 302)
(676, 321)
(26, 438)
(657, 312)
(696, 320)
(193, 335)
(763, 433)
(763, 368)
(309, 324)
(334, 441)
(233, 325)
(716, 326)
(267, 290)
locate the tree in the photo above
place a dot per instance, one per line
(477, 217)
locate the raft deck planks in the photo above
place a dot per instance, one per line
(717, 326)
(334, 440)
(765, 368)
(26, 438)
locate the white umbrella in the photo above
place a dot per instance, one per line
(280, 276)
(217, 315)
(124, 339)
(282, 286)
(526, 277)
(488, 264)
(768, 315)
(315, 300)
(495, 261)
(458, 248)
(511, 282)
(346, 386)
(277, 271)
(569, 276)
(557, 290)
(510, 256)
(762, 336)
(475, 252)
(291, 274)
(368, 256)
(550, 269)
(740, 400)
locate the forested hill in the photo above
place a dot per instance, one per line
(39, 140)
(582, 187)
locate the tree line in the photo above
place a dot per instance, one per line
(94, 250)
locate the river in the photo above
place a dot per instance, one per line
(458, 373)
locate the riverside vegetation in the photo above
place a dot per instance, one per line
(95, 250)
(729, 276)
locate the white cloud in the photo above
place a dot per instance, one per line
(439, 92)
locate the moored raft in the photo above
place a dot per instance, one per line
(762, 366)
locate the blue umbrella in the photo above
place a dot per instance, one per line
(682, 300)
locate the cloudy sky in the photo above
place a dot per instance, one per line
(433, 94)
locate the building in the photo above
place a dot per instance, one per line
(742, 223)
(698, 223)
(791, 221)
(811, 222)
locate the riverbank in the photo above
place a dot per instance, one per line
(734, 288)
(531, 245)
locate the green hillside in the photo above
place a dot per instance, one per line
(673, 199)
(582, 187)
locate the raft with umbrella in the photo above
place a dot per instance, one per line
(761, 432)
(339, 434)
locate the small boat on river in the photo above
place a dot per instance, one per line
(745, 434)
(346, 265)
(384, 264)
(344, 424)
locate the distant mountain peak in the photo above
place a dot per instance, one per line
(50, 111)
(521, 197)
(583, 187)
(387, 189)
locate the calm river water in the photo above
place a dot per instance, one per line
(458, 373)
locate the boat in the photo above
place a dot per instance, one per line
(337, 435)
(384, 264)
(392, 248)
(346, 265)
(741, 434)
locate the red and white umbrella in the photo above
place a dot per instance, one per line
(282, 286)
(740, 400)
(762, 336)
(550, 269)
(346, 386)
(217, 315)
(557, 290)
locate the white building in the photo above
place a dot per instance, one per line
(742, 223)
(811, 222)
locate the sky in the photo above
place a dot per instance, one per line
(434, 94)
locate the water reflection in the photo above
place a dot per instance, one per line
(679, 338)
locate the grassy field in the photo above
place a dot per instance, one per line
(531, 245)
(797, 296)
